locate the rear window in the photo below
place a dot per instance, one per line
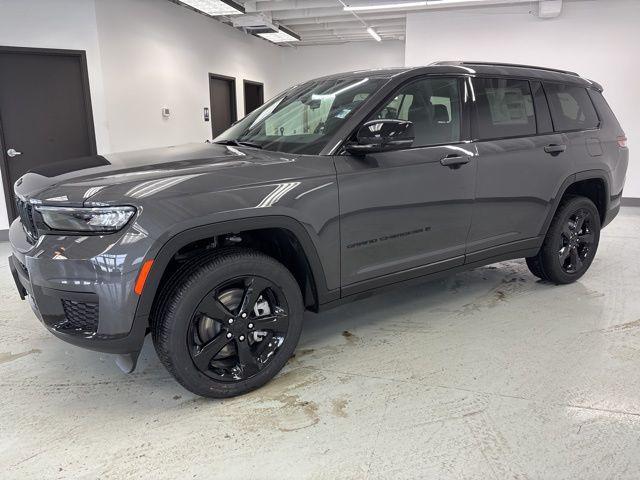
(571, 107)
(504, 108)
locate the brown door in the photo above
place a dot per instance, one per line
(45, 111)
(223, 103)
(253, 96)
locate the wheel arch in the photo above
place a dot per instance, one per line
(583, 183)
(171, 247)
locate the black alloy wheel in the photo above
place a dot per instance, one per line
(227, 322)
(237, 328)
(576, 241)
(570, 244)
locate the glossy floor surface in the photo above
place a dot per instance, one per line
(488, 374)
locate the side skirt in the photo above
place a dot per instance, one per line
(427, 273)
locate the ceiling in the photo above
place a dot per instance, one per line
(319, 22)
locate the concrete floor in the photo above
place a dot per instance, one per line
(489, 374)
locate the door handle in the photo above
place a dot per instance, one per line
(454, 160)
(13, 153)
(554, 149)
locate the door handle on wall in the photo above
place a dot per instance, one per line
(454, 160)
(554, 149)
(13, 152)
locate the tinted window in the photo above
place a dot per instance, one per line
(432, 105)
(602, 107)
(504, 108)
(571, 107)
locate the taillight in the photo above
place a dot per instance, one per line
(622, 141)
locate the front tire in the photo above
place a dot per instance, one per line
(227, 323)
(570, 244)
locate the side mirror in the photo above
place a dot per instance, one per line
(381, 136)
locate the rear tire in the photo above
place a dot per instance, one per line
(228, 322)
(570, 244)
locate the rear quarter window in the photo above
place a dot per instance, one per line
(571, 107)
(504, 108)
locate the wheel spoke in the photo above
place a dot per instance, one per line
(204, 356)
(587, 238)
(254, 287)
(566, 231)
(579, 222)
(277, 322)
(576, 262)
(248, 362)
(266, 347)
(212, 308)
(564, 254)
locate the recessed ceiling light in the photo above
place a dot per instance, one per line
(215, 8)
(386, 6)
(283, 35)
(374, 34)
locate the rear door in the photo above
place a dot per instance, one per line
(521, 165)
(574, 115)
(403, 212)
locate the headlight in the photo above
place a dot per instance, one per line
(101, 219)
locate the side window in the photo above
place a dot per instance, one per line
(432, 105)
(571, 107)
(504, 108)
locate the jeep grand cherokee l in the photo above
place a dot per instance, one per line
(336, 188)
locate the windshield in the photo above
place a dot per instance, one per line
(302, 119)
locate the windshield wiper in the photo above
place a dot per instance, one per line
(236, 143)
(249, 144)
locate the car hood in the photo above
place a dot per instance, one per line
(101, 180)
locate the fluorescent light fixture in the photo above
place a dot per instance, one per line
(385, 6)
(215, 8)
(435, 3)
(374, 34)
(283, 35)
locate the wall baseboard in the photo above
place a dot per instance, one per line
(630, 202)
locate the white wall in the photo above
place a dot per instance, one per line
(63, 24)
(156, 54)
(598, 39)
(305, 63)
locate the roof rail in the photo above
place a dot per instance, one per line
(495, 64)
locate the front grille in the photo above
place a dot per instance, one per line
(79, 316)
(25, 211)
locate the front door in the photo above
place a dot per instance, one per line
(45, 111)
(223, 103)
(407, 212)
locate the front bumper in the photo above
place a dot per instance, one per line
(81, 287)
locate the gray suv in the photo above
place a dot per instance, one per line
(338, 187)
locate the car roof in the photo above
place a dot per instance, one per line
(474, 68)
